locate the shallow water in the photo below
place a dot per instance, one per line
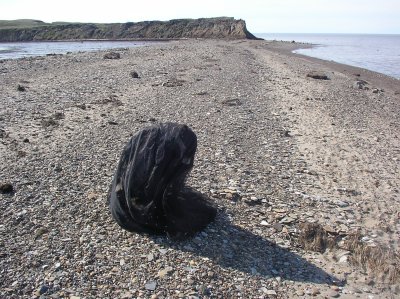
(26, 49)
(376, 52)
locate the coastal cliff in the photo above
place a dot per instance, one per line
(30, 30)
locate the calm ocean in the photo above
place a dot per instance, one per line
(379, 53)
(26, 49)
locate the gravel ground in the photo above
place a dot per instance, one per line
(276, 150)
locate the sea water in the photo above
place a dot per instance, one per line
(375, 52)
(26, 49)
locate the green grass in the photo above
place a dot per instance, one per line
(23, 23)
(27, 23)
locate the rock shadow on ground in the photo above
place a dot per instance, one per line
(233, 247)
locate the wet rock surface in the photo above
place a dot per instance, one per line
(275, 150)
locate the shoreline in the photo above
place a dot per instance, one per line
(278, 151)
(296, 45)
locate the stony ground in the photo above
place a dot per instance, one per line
(277, 150)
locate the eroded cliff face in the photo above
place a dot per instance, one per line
(228, 28)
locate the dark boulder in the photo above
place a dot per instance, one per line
(148, 194)
(21, 88)
(135, 75)
(318, 76)
(112, 55)
(361, 84)
(6, 188)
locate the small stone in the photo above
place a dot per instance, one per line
(318, 76)
(278, 227)
(43, 289)
(111, 122)
(287, 220)
(126, 295)
(21, 88)
(264, 223)
(74, 297)
(341, 203)
(333, 294)
(164, 272)
(163, 251)
(151, 285)
(41, 231)
(356, 290)
(203, 290)
(270, 292)
(112, 55)
(315, 291)
(360, 84)
(6, 188)
(300, 293)
(92, 195)
(150, 257)
(134, 75)
(330, 229)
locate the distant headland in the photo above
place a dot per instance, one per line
(35, 30)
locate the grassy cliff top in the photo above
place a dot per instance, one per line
(28, 23)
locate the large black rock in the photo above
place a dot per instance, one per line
(148, 192)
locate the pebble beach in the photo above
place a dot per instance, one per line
(301, 157)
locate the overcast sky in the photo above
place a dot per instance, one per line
(277, 16)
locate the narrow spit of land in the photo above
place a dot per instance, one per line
(279, 153)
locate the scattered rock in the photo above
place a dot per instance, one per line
(111, 122)
(43, 289)
(151, 285)
(253, 202)
(126, 295)
(278, 227)
(286, 133)
(377, 90)
(287, 220)
(49, 122)
(41, 231)
(173, 83)
(112, 55)
(341, 203)
(3, 133)
(81, 106)
(315, 291)
(318, 76)
(333, 294)
(164, 272)
(6, 188)
(134, 75)
(300, 293)
(21, 88)
(361, 84)
(232, 102)
(204, 290)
